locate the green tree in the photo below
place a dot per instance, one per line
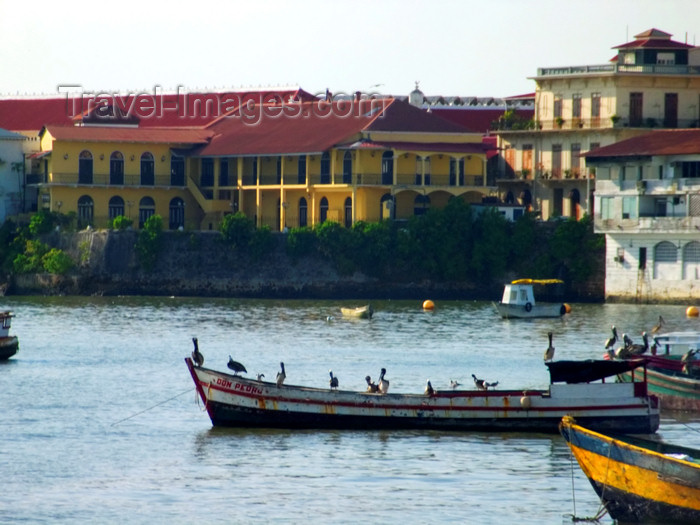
(301, 242)
(57, 261)
(237, 229)
(121, 223)
(149, 241)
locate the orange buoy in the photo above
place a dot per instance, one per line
(428, 305)
(692, 311)
(567, 306)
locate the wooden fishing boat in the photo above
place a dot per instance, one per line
(673, 370)
(233, 400)
(638, 480)
(9, 344)
(361, 312)
(518, 301)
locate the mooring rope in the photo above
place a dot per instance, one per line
(602, 511)
(154, 406)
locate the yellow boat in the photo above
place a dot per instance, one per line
(638, 480)
(361, 312)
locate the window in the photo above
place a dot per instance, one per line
(576, 105)
(116, 207)
(301, 170)
(323, 210)
(629, 207)
(147, 169)
(86, 210)
(557, 106)
(348, 212)
(606, 208)
(116, 168)
(207, 173)
(595, 105)
(177, 171)
(636, 105)
(147, 207)
(388, 167)
(576, 159)
(691, 260)
(347, 168)
(177, 214)
(426, 175)
(690, 170)
(85, 167)
(386, 207)
(325, 169)
(456, 172)
(278, 171)
(421, 204)
(671, 110)
(419, 171)
(666, 59)
(303, 219)
(223, 172)
(665, 261)
(556, 160)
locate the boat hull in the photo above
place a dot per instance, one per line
(636, 484)
(8, 347)
(235, 401)
(362, 312)
(676, 391)
(518, 311)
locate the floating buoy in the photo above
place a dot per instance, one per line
(692, 311)
(567, 307)
(428, 305)
(525, 402)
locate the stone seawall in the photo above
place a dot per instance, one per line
(199, 264)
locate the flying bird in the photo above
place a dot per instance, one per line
(611, 340)
(549, 352)
(429, 391)
(371, 385)
(333, 381)
(197, 356)
(281, 376)
(236, 366)
(383, 383)
(483, 385)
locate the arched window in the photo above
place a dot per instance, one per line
(147, 170)
(301, 170)
(388, 167)
(116, 168)
(387, 207)
(116, 207)
(177, 214)
(177, 171)
(325, 168)
(348, 212)
(303, 218)
(665, 261)
(147, 207)
(421, 205)
(691, 261)
(323, 215)
(86, 211)
(85, 167)
(347, 168)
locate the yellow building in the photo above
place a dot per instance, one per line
(285, 164)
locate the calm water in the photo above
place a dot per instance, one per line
(101, 425)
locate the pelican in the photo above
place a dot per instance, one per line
(639, 349)
(611, 340)
(371, 385)
(383, 383)
(197, 356)
(334, 380)
(686, 359)
(658, 325)
(454, 384)
(549, 353)
(429, 391)
(260, 377)
(236, 366)
(281, 376)
(483, 385)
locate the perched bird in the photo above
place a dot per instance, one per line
(236, 366)
(429, 389)
(334, 380)
(383, 383)
(372, 387)
(260, 376)
(483, 385)
(639, 349)
(549, 353)
(611, 340)
(454, 384)
(197, 356)
(281, 376)
(687, 358)
(627, 340)
(658, 325)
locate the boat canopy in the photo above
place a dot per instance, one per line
(589, 370)
(537, 281)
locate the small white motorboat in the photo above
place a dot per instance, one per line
(518, 301)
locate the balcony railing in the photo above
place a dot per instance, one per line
(106, 180)
(683, 224)
(646, 69)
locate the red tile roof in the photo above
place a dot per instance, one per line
(130, 134)
(313, 127)
(478, 120)
(662, 142)
(149, 109)
(653, 39)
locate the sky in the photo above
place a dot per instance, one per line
(452, 47)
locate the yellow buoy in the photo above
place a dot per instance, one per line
(428, 305)
(692, 311)
(567, 307)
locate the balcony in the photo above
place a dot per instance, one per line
(597, 70)
(658, 225)
(72, 179)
